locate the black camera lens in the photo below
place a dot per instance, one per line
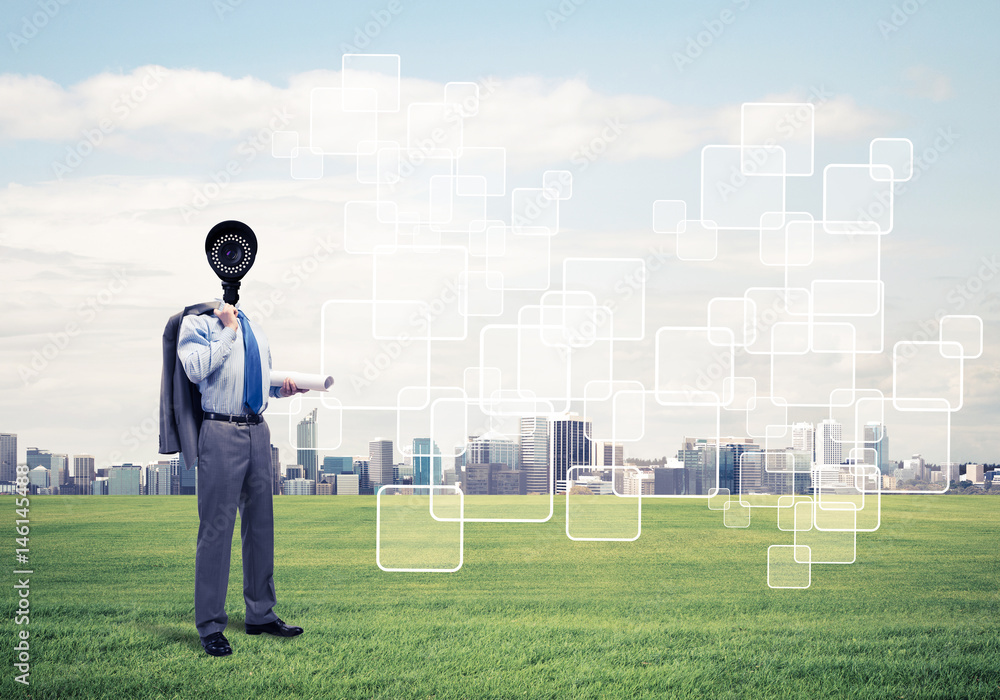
(230, 253)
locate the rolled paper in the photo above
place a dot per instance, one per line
(313, 382)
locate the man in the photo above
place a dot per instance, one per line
(224, 356)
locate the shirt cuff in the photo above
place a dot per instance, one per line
(275, 392)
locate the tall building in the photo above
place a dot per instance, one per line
(804, 439)
(612, 454)
(347, 484)
(829, 445)
(380, 462)
(8, 457)
(300, 487)
(39, 478)
(534, 444)
(877, 438)
(364, 480)
(83, 473)
(492, 448)
(39, 458)
(158, 478)
(305, 441)
(124, 481)
(188, 477)
(426, 462)
(275, 471)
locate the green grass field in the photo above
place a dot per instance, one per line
(684, 611)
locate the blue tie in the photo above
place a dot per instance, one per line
(253, 394)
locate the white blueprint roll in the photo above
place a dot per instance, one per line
(314, 382)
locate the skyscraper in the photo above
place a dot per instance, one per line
(426, 462)
(829, 448)
(83, 473)
(804, 439)
(570, 447)
(124, 481)
(8, 457)
(877, 439)
(380, 462)
(275, 471)
(492, 448)
(612, 454)
(305, 441)
(534, 439)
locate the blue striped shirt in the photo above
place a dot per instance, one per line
(212, 357)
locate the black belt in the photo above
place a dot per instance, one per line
(251, 419)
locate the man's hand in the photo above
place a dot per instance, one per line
(227, 314)
(288, 388)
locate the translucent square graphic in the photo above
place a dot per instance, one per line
(732, 199)
(616, 409)
(927, 375)
(378, 72)
(767, 418)
(778, 305)
(325, 418)
(786, 511)
(573, 319)
(334, 130)
(410, 537)
(893, 153)
(827, 545)
(669, 215)
(458, 213)
(789, 126)
(789, 566)
(488, 240)
(965, 331)
(413, 181)
(594, 517)
(857, 199)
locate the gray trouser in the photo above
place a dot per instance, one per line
(234, 472)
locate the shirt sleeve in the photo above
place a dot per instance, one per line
(201, 354)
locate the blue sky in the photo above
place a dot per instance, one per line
(895, 69)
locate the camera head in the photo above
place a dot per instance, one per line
(231, 247)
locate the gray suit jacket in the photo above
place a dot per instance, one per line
(180, 400)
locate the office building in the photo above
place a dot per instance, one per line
(534, 447)
(380, 462)
(158, 479)
(492, 448)
(83, 473)
(327, 485)
(300, 487)
(347, 484)
(364, 481)
(8, 457)
(305, 442)
(569, 447)
(974, 473)
(829, 444)
(294, 471)
(804, 439)
(426, 462)
(275, 471)
(39, 478)
(876, 440)
(639, 483)
(124, 481)
(611, 454)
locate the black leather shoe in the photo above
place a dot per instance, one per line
(275, 627)
(216, 645)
